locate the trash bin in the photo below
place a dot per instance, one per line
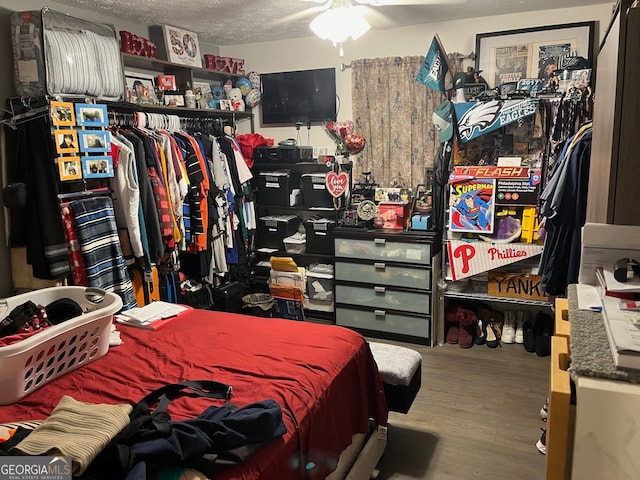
(258, 304)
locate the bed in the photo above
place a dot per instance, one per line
(323, 377)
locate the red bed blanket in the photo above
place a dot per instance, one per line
(324, 378)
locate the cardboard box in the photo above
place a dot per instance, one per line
(515, 285)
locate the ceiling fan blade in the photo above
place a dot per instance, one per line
(302, 14)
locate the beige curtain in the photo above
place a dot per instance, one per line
(393, 112)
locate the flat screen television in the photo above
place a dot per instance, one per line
(306, 96)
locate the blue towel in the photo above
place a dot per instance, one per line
(100, 247)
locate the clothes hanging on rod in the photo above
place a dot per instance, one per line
(39, 226)
(100, 246)
(563, 208)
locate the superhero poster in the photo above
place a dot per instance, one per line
(472, 205)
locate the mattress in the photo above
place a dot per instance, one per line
(324, 378)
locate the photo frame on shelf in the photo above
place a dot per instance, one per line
(91, 115)
(511, 55)
(62, 114)
(66, 140)
(140, 88)
(97, 167)
(225, 104)
(69, 168)
(182, 46)
(134, 78)
(173, 99)
(94, 140)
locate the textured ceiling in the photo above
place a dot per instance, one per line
(232, 22)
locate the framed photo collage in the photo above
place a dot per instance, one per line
(82, 140)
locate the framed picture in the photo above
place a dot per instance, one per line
(69, 168)
(173, 99)
(225, 104)
(134, 79)
(62, 114)
(141, 88)
(97, 167)
(66, 140)
(94, 140)
(511, 55)
(91, 115)
(203, 93)
(182, 46)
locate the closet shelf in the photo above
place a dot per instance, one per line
(490, 298)
(180, 111)
(146, 63)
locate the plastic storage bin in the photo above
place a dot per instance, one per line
(314, 191)
(35, 361)
(275, 188)
(273, 229)
(320, 282)
(296, 243)
(320, 235)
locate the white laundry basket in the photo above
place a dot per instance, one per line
(33, 362)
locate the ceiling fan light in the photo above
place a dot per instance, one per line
(339, 23)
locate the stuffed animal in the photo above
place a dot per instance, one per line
(237, 103)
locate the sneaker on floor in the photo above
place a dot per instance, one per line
(521, 317)
(509, 328)
(544, 411)
(541, 444)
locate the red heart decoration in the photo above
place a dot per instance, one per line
(354, 143)
(336, 184)
(343, 128)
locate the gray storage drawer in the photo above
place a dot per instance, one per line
(381, 273)
(384, 298)
(381, 321)
(384, 250)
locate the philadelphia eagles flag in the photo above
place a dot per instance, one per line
(435, 67)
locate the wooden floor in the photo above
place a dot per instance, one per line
(476, 417)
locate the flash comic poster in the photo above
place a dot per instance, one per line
(472, 205)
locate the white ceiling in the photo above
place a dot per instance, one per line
(233, 22)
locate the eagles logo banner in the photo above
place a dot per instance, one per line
(435, 67)
(478, 118)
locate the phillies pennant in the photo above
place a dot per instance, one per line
(435, 67)
(470, 258)
(478, 118)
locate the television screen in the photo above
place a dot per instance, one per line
(305, 96)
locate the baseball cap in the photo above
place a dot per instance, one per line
(459, 80)
(443, 120)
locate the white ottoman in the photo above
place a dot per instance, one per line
(401, 372)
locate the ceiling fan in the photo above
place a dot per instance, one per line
(339, 20)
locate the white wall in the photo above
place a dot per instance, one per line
(456, 36)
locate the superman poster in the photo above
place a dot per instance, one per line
(472, 205)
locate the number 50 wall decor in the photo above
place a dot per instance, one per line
(182, 46)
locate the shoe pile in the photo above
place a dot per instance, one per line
(480, 324)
